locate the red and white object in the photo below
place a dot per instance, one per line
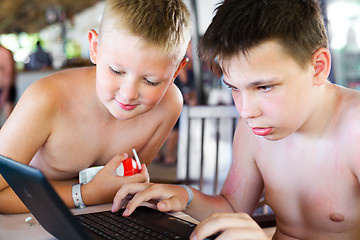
(128, 167)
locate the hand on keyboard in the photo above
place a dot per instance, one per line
(230, 226)
(172, 198)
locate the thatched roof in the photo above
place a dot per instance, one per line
(30, 15)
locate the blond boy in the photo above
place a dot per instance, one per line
(298, 136)
(86, 117)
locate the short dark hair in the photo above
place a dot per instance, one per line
(239, 25)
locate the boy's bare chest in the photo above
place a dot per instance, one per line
(311, 187)
(85, 145)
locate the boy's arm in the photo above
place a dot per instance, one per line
(24, 132)
(241, 190)
(243, 185)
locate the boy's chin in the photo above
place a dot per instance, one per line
(127, 115)
(275, 136)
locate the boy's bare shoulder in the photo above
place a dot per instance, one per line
(172, 102)
(346, 118)
(70, 77)
(348, 104)
(61, 82)
(55, 89)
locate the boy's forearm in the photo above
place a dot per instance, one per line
(65, 193)
(89, 197)
(204, 205)
(90, 194)
(10, 203)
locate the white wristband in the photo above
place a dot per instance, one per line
(76, 194)
(190, 193)
(87, 174)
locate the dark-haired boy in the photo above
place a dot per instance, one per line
(298, 135)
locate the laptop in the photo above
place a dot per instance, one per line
(40, 198)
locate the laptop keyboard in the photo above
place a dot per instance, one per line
(110, 225)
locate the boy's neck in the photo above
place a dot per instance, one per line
(321, 118)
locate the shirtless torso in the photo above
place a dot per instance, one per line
(77, 117)
(311, 184)
(71, 129)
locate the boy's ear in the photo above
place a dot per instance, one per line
(93, 38)
(321, 61)
(182, 64)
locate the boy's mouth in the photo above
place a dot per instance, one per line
(127, 107)
(262, 131)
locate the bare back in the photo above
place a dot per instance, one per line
(311, 184)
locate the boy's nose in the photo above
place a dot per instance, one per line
(129, 90)
(247, 107)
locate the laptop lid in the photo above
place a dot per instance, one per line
(40, 198)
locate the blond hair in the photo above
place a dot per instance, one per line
(161, 23)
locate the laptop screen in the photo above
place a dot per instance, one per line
(40, 198)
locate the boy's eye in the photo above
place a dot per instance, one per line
(232, 88)
(150, 82)
(265, 88)
(115, 72)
